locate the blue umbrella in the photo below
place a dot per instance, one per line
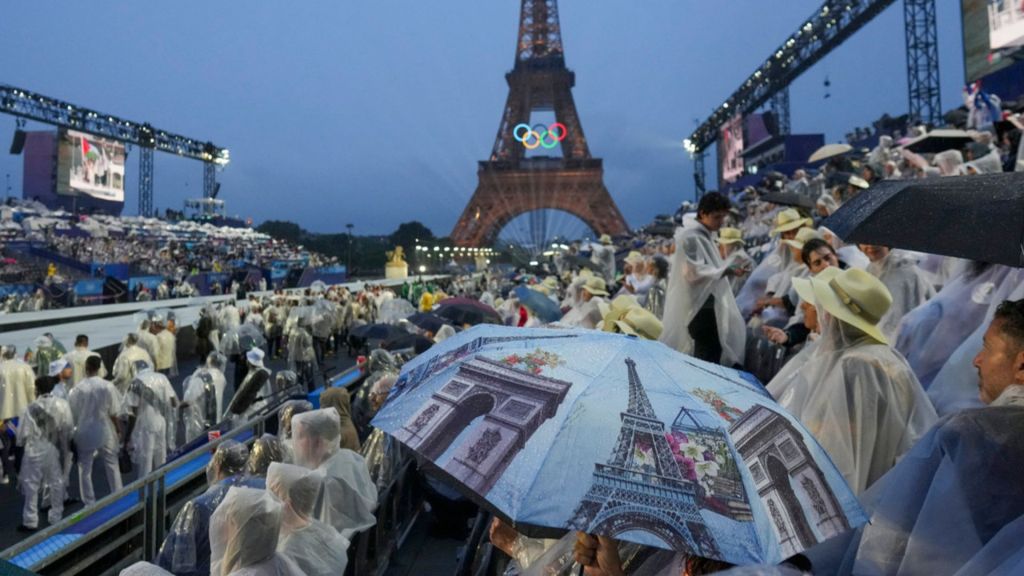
(557, 430)
(427, 321)
(540, 305)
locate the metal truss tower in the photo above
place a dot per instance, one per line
(922, 61)
(779, 106)
(145, 181)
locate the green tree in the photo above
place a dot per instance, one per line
(407, 234)
(282, 230)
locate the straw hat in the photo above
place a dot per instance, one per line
(852, 296)
(789, 219)
(542, 288)
(803, 285)
(803, 235)
(640, 322)
(605, 239)
(634, 258)
(610, 313)
(596, 286)
(551, 283)
(730, 236)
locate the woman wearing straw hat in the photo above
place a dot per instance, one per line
(856, 394)
(787, 223)
(701, 317)
(730, 241)
(603, 258)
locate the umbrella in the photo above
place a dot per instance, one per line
(540, 305)
(396, 309)
(407, 341)
(976, 217)
(460, 311)
(427, 321)
(241, 339)
(318, 286)
(938, 140)
(829, 151)
(556, 430)
(789, 199)
(378, 332)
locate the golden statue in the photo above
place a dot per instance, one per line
(396, 257)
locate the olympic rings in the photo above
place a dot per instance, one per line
(540, 135)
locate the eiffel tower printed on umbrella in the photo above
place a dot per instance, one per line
(641, 487)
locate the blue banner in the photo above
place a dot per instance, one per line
(150, 282)
(92, 287)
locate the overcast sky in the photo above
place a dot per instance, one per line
(376, 112)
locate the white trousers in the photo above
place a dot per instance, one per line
(37, 471)
(108, 456)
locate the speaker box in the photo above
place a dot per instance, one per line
(18, 143)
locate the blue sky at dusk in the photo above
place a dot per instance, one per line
(376, 112)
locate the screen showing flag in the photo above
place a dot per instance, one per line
(90, 165)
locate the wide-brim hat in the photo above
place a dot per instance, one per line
(551, 282)
(803, 287)
(730, 236)
(596, 286)
(789, 219)
(640, 322)
(855, 297)
(58, 366)
(803, 236)
(255, 357)
(616, 310)
(634, 258)
(605, 239)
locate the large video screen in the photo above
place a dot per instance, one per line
(993, 35)
(730, 151)
(90, 165)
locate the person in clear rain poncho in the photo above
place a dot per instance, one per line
(929, 334)
(77, 359)
(128, 361)
(855, 394)
(953, 504)
(166, 347)
(244, 534)
(152, 402)
(44, 430)
(348, 496)
(317, 548)
(266, 450)
(339, 399)
(284, 424)
(906, 283)
(96, 406)
(701, 316)
(186, 549)
(147, 340)
(44, 351)
(258, 377)
(141, 568)
(17, 381)
(301, 356)
(787, 223)
(203, 398)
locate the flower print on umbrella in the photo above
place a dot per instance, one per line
(535, 361)
(715, 401)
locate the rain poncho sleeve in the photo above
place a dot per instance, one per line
(348, 495)
(757, 281)
(317, 549)
(948, 505)
(77, 358)
(860, 400)
(697, 273)
(124, 366)
(244, 536)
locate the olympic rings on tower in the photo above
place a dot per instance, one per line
(540, 135)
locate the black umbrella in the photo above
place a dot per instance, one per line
(789, 199)
(461, 311)
(938, 141)
(976, 217)
(377, 331)
(427, 321)
(407, 341)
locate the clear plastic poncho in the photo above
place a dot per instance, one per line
(154, 398)
(240, 339)
(186, 549)
(126, 363)
(348, 495)
(949, 506)
(955, 387)
(859, 399)
(907, 284)
(930, 333)
(696, 273)
(200, 408)
(244, 536)
(284, 424)
(94, 402)
(266, 450)
(317, 548)
(17, 382)
(754, 288)
(141, 568)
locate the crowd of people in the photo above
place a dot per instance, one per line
(149, 246)
(907, 368)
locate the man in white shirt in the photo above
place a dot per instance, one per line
(77, 359)
(96, 405)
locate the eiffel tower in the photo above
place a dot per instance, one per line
(641, 488)
(511, 184)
